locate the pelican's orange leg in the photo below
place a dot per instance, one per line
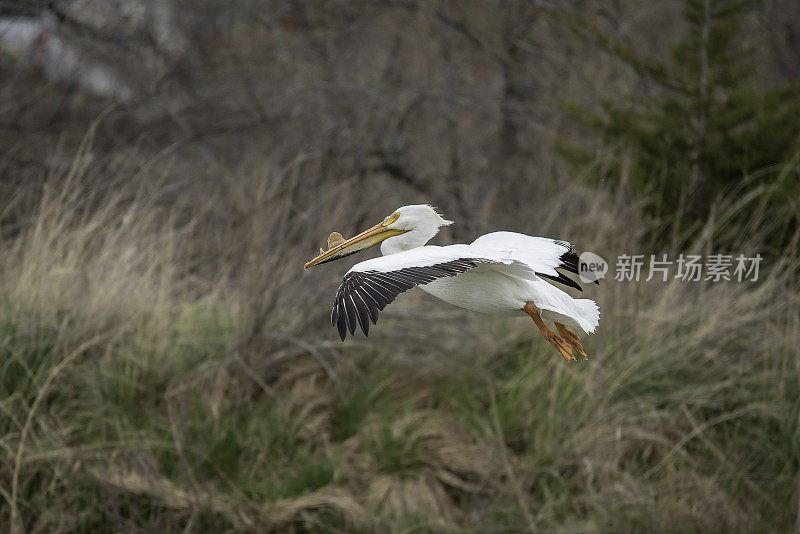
(571, 338)
(562, 346)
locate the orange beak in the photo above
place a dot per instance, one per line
(364, 240)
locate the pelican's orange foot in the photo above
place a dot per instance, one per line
(564, 347)
(571, 338)
(561, 345)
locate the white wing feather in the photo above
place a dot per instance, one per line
(541, 254)
(431, 255)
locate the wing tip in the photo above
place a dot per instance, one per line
(562, 279)
(570, 261)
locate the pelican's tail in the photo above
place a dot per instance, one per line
(587, 314)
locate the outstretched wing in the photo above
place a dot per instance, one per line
(365, 292)
(546, 257)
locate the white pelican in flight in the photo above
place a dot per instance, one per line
(501, 273)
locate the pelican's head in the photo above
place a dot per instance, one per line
(405, 228)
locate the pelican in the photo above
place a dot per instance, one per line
(501, 273)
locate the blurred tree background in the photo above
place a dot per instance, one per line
(166, 168)
(709, 123)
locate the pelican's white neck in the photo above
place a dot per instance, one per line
(408, 240)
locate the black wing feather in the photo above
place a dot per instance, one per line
(341, 322)
(569, 262)
(566, 280)
(362, 311)
(377, 293)
(350, 313)
(369, 302)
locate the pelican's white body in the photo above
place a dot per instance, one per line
(503, 283)
(469, 290)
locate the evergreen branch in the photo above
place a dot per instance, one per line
(651, 67)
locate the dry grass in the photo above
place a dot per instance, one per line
(167, 366)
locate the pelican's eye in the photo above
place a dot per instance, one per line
(390, 219)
